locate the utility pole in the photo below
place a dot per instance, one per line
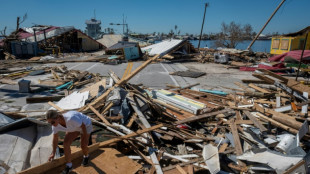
(302, 54)
(249, 47)
(203, 22)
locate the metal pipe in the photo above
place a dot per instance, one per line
(249, 47)
(302, 54)
(203, 22)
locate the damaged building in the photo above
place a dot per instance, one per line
(52, 40)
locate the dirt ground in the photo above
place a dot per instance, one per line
(218, 77)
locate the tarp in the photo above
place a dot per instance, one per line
(294, 54)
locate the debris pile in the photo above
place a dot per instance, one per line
(226, 55)
(261, 128)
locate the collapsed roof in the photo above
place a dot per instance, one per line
(299, 33)
(169, 46)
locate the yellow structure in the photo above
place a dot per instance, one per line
(290, 42)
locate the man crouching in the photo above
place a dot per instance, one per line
(73, 123)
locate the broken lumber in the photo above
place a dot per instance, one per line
(61, 161)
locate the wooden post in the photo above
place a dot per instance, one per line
(203, 22)
(265, 25)
(302, 54)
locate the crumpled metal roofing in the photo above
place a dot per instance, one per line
(163, 47)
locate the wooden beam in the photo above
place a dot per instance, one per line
(277, 124)
(100, 116)
(106, 108)
(264, 78)
(203, 116)
(255, 121)
(280, 117)
(223, 148)
(55, 106)
(180, 169)
(272, 74)
(244, 122)
(236, 137)
(61, 161)
(243, 87)
(190, 169)
(258, 88)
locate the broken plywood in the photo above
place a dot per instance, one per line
(109, 160)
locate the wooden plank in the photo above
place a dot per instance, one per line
(264, 78)
(264, 102)
(203, 116)
(258, 88)
(55, 106)
(280, 117)
(180, 169)
(223, 148)
(235, 134)
(297, 86)
(100, 116)
(61, 161)
(238, 115)
(132, 119)
(277, 124)
(244, 122)
(106, 108)
(255, 121)
(43, 99)
(190, 169)
(272, 74)
(243, 87)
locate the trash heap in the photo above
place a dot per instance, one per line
(262, 128)
(226, 55)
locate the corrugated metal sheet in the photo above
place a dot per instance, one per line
(49, 33)
(163, 47)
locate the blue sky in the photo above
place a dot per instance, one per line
(147, 16)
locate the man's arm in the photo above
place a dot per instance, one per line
(55, 143)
